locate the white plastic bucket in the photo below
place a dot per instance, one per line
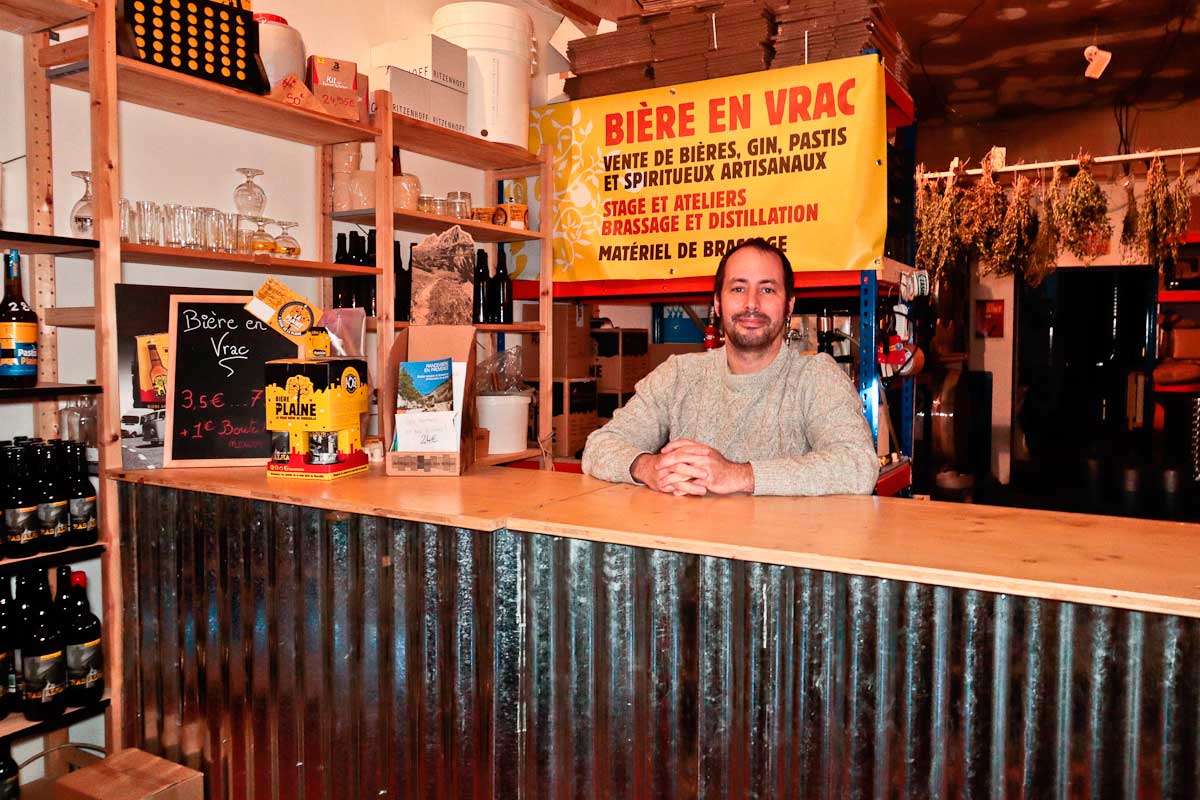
(500, 51)
(506, 416)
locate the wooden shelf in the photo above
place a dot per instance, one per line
(516, 327)
(71, 555)
(49, 390)
(420, 222)
(688, 289)
(1179, 296)
(505, 458)
(237, 262)
(39, 244)
(15, 726)
(459, 148)
(1178, 388)
(27, 16)
(155, 87)
(70, 317)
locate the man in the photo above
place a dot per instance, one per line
(753, 417)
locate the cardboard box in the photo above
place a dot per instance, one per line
(331, 73)
(426, 343)
(431, 57)
(447, 107)
(573, 414)
(131, 775)
(622, 357)
(410, 94)
(659, 353)
(572, 342)
(1185, 343)
(316, 402)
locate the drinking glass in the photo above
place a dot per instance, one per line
(209, 232)
(260, 240)
(229, 232)
(173, 224)
(149, 221)
(127, 222)
(441, 207)
(81, 212)
(460, 204)
(286, 245)
(249, 197)
(191, 228)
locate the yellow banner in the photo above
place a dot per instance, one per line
(660, 183)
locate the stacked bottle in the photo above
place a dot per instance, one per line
(47, 501)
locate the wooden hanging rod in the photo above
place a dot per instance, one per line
(1071, 162)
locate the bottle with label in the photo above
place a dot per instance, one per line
(43, 660)
(711, 340)
(158, 373)
(481, 302)
(355, 254)
(502, 290)
(10, 776)
(402, 306)
(18, 331)
(81, 498)
(85, 656)
(8, 641)
(22, 613)
(22, 531)
(51, 494)
(341, 286)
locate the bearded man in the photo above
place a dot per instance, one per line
(752, 417)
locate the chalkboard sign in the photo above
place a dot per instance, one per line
(215, 414)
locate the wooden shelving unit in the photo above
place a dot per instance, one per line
(458, 148)
(71, 555)
(49, 390)
(236, 262)
(29, 16)
(15, 726)
(40, 244)
(516, 327)
(420, 222)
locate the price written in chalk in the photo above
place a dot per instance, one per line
(189, 400)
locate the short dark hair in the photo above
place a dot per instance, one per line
(763, 246)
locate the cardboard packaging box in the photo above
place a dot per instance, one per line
(574, 415)
(131, 775)
(431, 57)
(314, 409)
(447, 107)
(659, 353)
(410, 94)
(622, 358)
(331, 73)
(427, 343)
(572, 343)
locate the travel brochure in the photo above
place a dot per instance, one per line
(429, 396)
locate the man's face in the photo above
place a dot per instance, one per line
(753, 305)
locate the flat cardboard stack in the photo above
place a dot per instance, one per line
(823, 30)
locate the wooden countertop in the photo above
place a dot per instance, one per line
(482, 500)
(1111, 561)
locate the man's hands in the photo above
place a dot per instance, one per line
(685, 467)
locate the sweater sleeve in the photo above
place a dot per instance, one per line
(640, 426)
(841, 458)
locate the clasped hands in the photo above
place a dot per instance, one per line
(684, 467)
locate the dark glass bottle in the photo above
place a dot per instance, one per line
(18, 330)
(481, 298)
(43, 660)
(502, 289)
(355, 254)
(22, 613)
(22, 531)
(62, 594)
(51, 493)
(10, 776)
(85, 656)
(8, 644)
(366, 283)
(341, 286)
(81, 498)
(402, 307)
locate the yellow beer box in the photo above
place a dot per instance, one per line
(314, 411)
(150, 370)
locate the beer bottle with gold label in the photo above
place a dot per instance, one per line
(22, 531)
(18, 331)
(52, 498)
(43, 659)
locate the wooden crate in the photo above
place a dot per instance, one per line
(622, 358)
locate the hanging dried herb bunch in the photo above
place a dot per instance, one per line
(1013, 248)
(1167, 208)
(1131, 225)
(1047, 244)
(1083, 213)
(984, 205)
(939, 240)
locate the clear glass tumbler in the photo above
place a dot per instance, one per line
(149, 222)
(127, 222)
(173, 224)
(191, 228)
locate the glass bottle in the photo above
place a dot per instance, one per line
(502, 289)
(18, 331)
(249, 198)
(481, 295)
(51, 494)
(42, 658)
(8, 642)
(81, 498)
(87, 427)
(10, 776)
(68, 420)
(402, 305)
(85, 656)
(341, 286)
(355, 254)
(158, 373)
(81, 212)
(711, 340)
(22, 613)
(22, 531)
(366, 283)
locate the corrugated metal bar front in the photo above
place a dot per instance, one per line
(300, 653)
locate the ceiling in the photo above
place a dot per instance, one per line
(979, 59)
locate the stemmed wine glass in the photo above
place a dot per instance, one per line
(81, 212)
(249, 197)
(260, 240)
(286, 245)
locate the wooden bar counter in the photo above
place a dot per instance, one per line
(515, 633)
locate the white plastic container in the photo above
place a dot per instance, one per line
(500, 58)
(506, 416)
(281, 48)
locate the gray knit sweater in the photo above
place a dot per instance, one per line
(798, 422)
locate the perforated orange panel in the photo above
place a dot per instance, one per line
(207, 39)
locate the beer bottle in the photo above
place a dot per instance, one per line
(341, 286)
(481, 299)
(85, 656)
(10, 776)
(22, 531)
(502, 290)
(51, 494)
(43, 661)
(18, 331)
(81, 498)
(158, 373)
(8, 636)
